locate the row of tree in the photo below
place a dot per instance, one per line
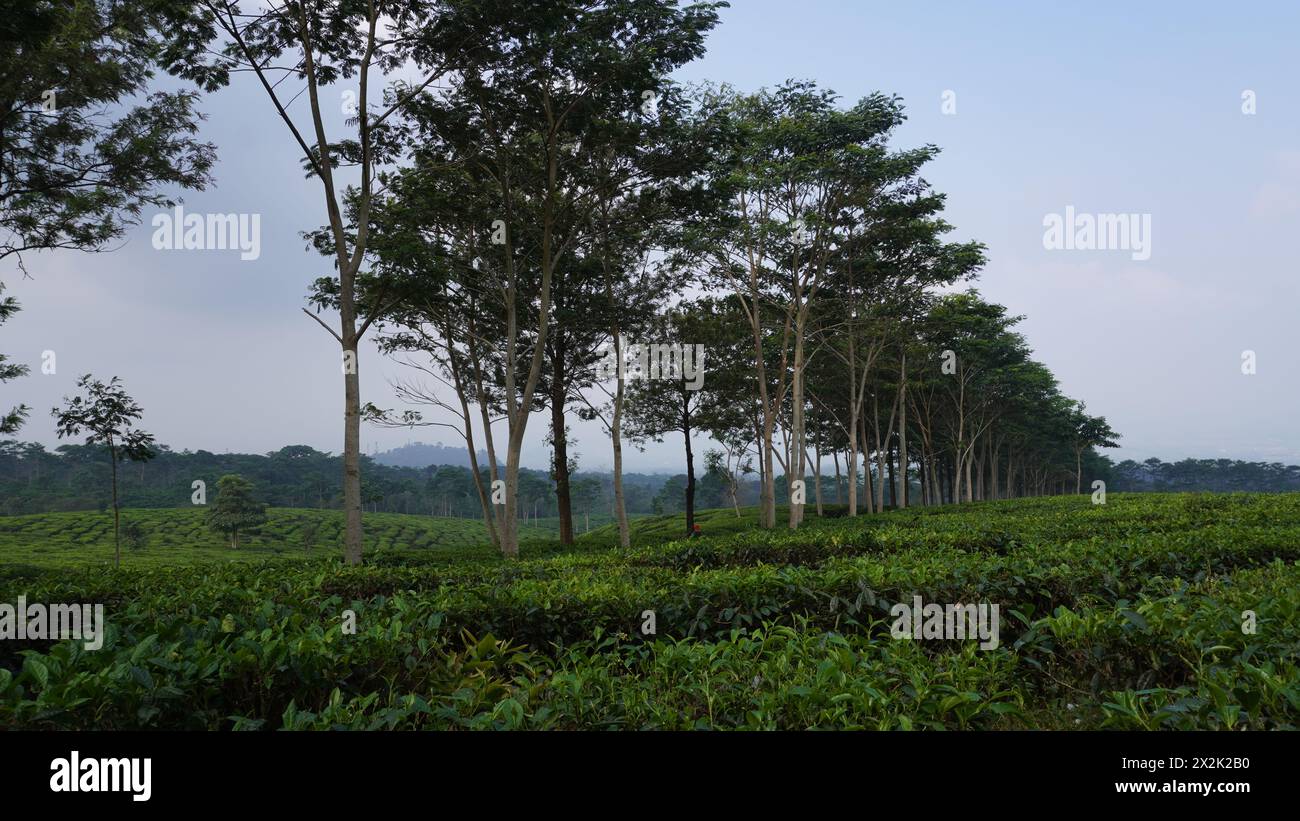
(539, 191)
(507, 270)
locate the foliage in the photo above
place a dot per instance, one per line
(134, 534)
(1127, 614)
(12, 419)
(108, 416)
(81, 158)
(235, 511)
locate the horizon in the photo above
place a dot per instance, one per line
(599, 469)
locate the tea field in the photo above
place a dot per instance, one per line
(174, 536)
(1127, 615)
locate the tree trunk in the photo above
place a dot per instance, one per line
(851, 459)
(616, 434)
(117, 544)
(560, 444)
(352, 458)
(510, 520)
(994, 450)
(767, 494)
(797, 454)
(690, 466)
(868, 494)
(817, 477)
(901, 496)
(835, 454)
(969, 489)
(893, 484)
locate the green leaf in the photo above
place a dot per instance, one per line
(38, 671)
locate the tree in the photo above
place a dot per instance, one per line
(235, 511)
(320, 43)
(309, 532)
(587, 493)
(108, 415)
(728, 468)
(134, 534)
(523, 125)
(673, 399)
(11, 420)
(1088, 431)
(77, 165)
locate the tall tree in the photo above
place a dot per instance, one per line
(672, 396)
(646, 195)
(320, 43)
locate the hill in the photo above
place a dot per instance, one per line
(420, 455)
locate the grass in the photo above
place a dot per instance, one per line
(1128, 615)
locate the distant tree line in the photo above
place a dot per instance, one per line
(74, 477)
(1217, 475)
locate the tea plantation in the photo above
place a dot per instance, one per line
(1124, 615)
(31, 543)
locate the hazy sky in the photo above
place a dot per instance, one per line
(1108, 108)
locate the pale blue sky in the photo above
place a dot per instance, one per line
(1108, 107)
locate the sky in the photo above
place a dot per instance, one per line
(1186, 115)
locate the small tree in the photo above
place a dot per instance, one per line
(106, 413)
(309, 533)
(133, 533)
(587, 493)
(235, 510)
(1088, 432)
(729, 466)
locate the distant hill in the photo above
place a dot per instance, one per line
(420, 455)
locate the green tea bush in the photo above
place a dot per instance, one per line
(1129, 615)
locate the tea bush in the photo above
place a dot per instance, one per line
(1128, 615)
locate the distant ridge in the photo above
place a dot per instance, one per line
(419, 455)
